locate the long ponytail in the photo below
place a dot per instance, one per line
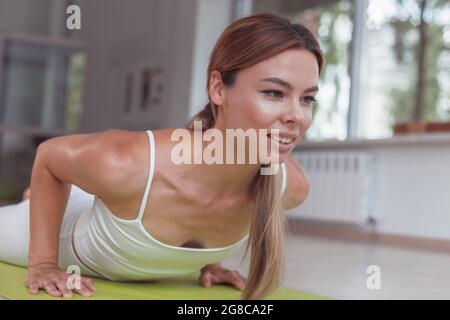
(244, 43)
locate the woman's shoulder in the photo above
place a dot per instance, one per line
(123, 159)
(131, 143)
(135, 150)
(132, 155)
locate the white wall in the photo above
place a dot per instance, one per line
(125, 38)
(412, 192)
(213, 16)
(25, 16)
(411, 183)
(42, 18)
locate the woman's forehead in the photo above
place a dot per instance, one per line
(295, 66)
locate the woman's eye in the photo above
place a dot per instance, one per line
(273, 93)
(308, 101)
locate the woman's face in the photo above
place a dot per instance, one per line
(276, 93)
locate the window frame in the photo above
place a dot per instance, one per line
(360, 32)
(44, 41)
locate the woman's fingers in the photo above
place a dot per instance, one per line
(83, 286)
(56, 282)
(61, 284)
(208, 278)
(224, 276)
(235, 279)
(244, 279)
(83, 290)
(89, 283)
(205, 279)
(58, 287)
(51, 289)
(33, 287)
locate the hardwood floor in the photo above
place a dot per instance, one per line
(337, 269)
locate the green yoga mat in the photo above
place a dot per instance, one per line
(12, 286)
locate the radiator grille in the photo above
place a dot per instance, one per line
(341, 184)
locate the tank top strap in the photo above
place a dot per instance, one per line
(151, 170)
(283, 177)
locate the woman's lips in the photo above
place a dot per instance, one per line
(283, 147)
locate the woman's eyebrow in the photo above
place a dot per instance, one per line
(287, 85)
(311, 89)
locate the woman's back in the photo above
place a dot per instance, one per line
(124, 249)
(178, 210)
(163, 227)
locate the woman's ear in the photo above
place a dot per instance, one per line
(216, 88)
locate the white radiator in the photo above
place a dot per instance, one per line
(341, 184)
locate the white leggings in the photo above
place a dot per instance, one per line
(15, 234)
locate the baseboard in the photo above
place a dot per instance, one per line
(354, 233)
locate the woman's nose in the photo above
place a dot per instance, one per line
(293, 113)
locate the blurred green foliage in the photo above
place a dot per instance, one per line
(405, 28)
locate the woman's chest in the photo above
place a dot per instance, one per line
(185, 224)
(181, 218)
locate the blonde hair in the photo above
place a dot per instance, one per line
(246, 42)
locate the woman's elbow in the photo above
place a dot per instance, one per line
(297, 193)
(301, 191)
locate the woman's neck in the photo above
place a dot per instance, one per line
(225, 179)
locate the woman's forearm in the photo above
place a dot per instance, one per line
(48, 201)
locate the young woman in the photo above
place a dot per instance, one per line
(116, 205)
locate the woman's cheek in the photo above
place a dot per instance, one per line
(266, 111)
(257, 114)
(306, 124)
(309, 119)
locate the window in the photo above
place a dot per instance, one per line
(42, 66)
(407, 64)
(331, 22)
(42, 84)
(387, 61)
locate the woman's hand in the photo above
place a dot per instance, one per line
(215, 273)
(49, 277)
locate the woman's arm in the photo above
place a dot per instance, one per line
(297, 185)
(297, 188)
(86, 160)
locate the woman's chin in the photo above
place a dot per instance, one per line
(279, 158)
